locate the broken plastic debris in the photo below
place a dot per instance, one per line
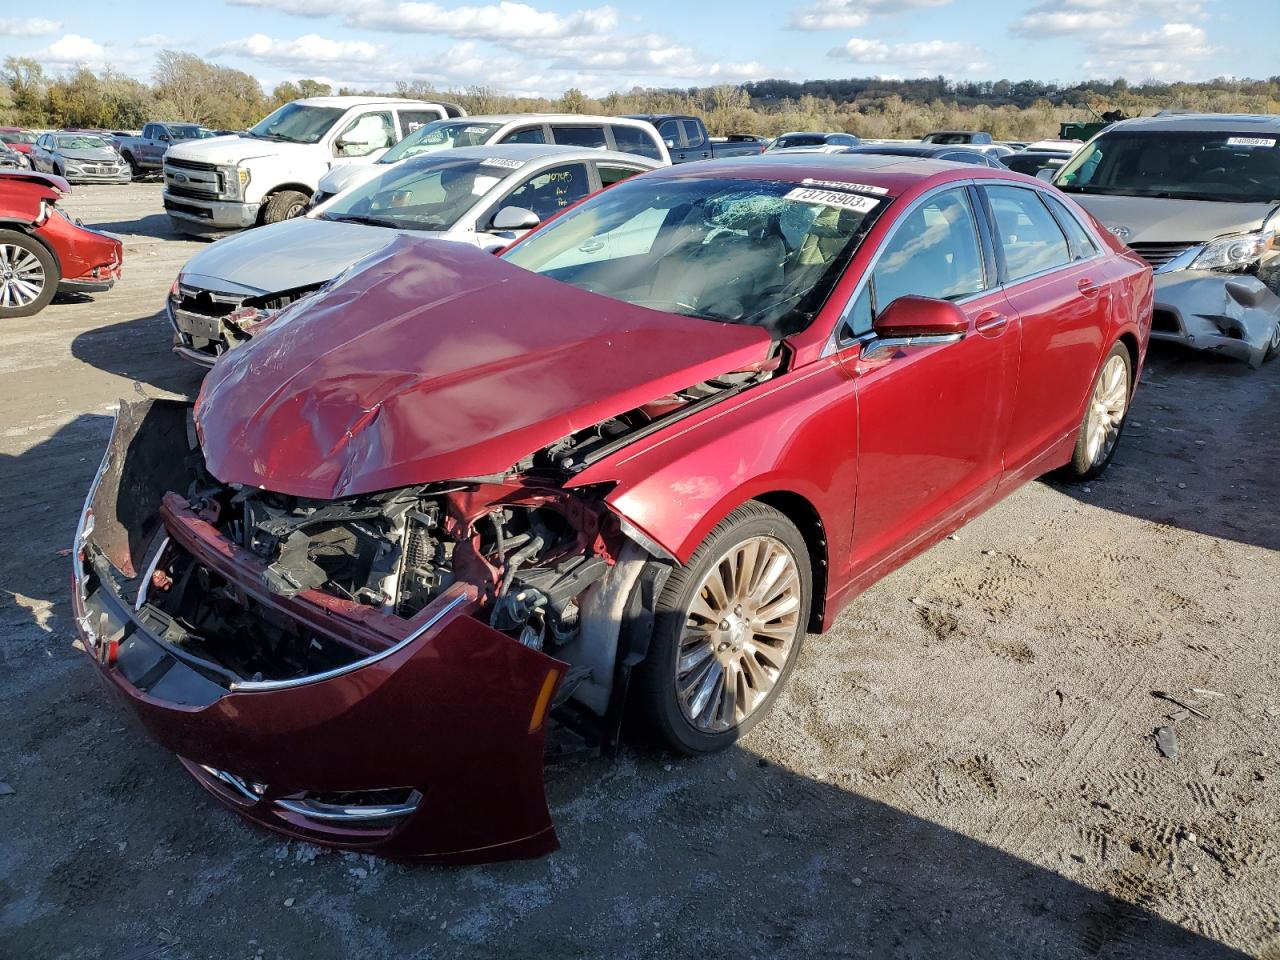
(1166, 742)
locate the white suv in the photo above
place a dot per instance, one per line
(270, 172)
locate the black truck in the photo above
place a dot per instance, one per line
(687, 139)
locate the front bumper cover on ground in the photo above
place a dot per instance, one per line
(447, 718)
(1230, 313)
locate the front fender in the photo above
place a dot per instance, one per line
(795, 434)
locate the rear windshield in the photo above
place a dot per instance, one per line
(947, 138)
(1227, 167)
(758, 252)
(804, 140)
(427, 194)
(441, 135)
(186, 131)
(17, 138)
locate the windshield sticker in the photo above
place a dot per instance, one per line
(503, 162)
(833, 198)
(475, 129)
(1251, 141)
(845, 185)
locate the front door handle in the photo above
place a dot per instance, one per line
(991, 322)
(1088, 287)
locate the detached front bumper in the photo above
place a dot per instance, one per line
(428, 745)
(1228, 313)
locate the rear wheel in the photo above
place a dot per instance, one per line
(1273, 348)
(728, 631)
(1104, 417)
(28, 275)
(284, 205)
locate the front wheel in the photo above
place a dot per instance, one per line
(1104, 417)
(727, 631)
(284, 205)
(28, 275)
(131, 166)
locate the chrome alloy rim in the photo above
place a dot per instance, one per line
(21, 276)
(1107, 409)
(739, 630)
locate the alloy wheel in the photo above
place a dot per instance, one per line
(739, 631)
(1107, 409)
(22, 276)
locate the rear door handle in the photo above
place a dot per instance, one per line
(1088, 287)
(991, 322)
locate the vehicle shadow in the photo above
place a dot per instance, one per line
(157, 226)
(1201, 449)
(139, 350)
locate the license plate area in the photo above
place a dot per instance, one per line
(197, 325)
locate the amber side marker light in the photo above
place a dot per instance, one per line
(544, 700)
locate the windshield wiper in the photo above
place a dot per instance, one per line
(357, 218)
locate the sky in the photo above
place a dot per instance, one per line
(546, 46)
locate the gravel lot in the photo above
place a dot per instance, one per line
(964, 767)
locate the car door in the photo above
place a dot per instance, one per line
(363, 138)
(696, 145)
(40, 154)
(1062, 302)
(932, 420)
(669, 131)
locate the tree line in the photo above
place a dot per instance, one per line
(186, 87)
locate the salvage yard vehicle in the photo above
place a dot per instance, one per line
(620, 134)
(78, 158)
(15, 138)
(145, 152)
(269, 173)
(633, 458)
(1198, 195)
(42, 251)
(790, 141)
(926, 151)
(687, 139)
(483, 196)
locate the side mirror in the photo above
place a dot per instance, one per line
(163, 138)
(514, 218)
(1046, 174)
(916, 320)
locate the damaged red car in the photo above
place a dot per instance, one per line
(452, 497)
(43, 251)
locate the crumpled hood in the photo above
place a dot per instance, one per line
(284, 256)
(235, 149)
(434, 361)
(94, 154)
(1156, 220)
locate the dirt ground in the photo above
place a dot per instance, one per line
(963, 767)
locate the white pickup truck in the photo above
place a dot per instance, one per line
(269, 172)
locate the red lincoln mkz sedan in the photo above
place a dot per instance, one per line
(634, 459)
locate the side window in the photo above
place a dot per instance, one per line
(1027, 233)
(579, 136)
(1082, 245)
(365, 134)
(669, 131)
(692, 135)
(609, 175)
(525, 135)
(413, 120)
(934, 252)
(858, 320)
(149, 132)
(634, 140)
(552, 190)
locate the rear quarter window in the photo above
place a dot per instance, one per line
(590, 137)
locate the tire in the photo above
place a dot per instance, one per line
(132, 165)
(1105, 415)
(284, 205)
(758, 662)
(1273, 348)
(29, 275)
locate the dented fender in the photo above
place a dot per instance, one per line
(1230, 313)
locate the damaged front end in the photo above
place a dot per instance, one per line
(374, 672)
(207, 323)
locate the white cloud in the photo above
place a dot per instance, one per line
(29, 27)
(922, 57)
(1056, 18)
(157, 40)
(71, 49)
(1169, 52)
(498, 21)
(306, 52)
(299, 8)
(850, 14)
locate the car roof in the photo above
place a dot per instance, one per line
(526, 152)
(575, 118)
(1203, 122)
(914, 149)
(896, 174)
(811, 133)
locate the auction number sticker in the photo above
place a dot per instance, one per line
(833, 198)
(504, 162)
(844, 185)
(1251, 141)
